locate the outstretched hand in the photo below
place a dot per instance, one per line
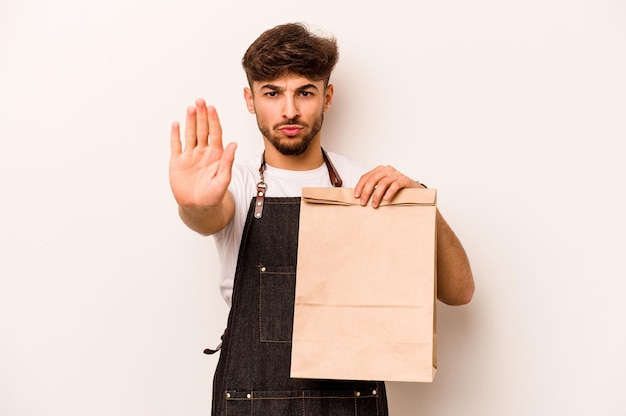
(200, 174)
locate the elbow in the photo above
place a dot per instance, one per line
(462, 297)
(459, 294)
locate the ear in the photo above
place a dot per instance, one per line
(249, 97)
(328, 96)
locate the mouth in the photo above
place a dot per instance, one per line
(291, 130)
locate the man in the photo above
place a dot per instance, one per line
(252, 210)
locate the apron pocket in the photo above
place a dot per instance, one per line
(277, 291)
(303, 402)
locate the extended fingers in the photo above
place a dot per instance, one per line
(190, 128)
(215, 128)
(175, 145)
(228, 157)
(202, 123)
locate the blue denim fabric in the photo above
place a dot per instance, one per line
(252, 375)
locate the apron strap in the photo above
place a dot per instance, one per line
(261, 187)
(210, 351)
(335, 179)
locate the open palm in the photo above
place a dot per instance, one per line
(200, 174)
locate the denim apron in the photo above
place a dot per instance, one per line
(252, 375)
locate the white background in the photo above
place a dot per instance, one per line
(513, 110)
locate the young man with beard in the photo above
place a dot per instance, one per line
(252, 210)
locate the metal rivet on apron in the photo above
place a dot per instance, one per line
(258, 215)
(374, 392)
(263, 269)
(357, 393)
(228, 395)
(249, 396)
(260, 193)
(258, 204)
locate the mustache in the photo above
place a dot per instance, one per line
(291, 122)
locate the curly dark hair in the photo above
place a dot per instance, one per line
(290, 49)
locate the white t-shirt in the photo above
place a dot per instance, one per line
(280, 183)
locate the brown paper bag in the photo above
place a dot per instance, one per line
(365, 287)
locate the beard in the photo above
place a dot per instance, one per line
(296, 145)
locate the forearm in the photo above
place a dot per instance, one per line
(455, 283)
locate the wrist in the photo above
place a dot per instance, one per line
(198, 211)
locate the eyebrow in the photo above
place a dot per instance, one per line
(280, 89)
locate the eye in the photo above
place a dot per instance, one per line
(306, 93)
(271, 94)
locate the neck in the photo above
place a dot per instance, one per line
(311, 159)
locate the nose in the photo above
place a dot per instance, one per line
(290, 108)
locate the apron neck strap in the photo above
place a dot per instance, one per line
(261, 187)
(335, 179)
